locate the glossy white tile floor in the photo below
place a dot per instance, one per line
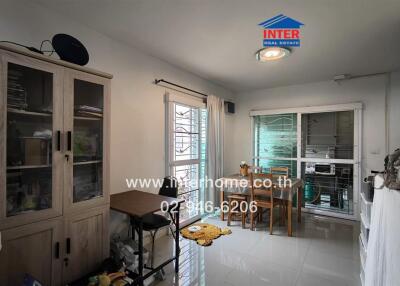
(323, 252)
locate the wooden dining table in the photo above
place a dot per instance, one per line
(239, 184)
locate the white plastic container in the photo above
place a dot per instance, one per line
(379, 182)
(366, 208)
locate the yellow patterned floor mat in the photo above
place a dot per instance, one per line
(204, 233)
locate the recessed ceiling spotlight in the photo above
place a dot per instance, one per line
(272, 54)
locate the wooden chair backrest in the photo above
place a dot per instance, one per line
(279, 171)
(256, 181)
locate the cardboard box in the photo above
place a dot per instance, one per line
(37, 151)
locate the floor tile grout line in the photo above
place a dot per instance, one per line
(302, 264)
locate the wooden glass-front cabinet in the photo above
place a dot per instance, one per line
(54, 140)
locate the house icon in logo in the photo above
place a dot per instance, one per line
(281, 22)
(281, 31)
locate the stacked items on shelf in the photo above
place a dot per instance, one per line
(28, 191)
(16, 92)
(366, 210)
(88, 111)
(87, 182)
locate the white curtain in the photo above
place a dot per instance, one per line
(383, 250)
(215, 145)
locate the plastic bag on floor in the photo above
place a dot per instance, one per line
(124, 252)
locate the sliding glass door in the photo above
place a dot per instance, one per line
(327, 167)
(186, 148)
(275, 141)
(318, 144)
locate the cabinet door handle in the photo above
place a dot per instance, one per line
(69, 140)
(68, 248)
(58, 140)
(57, 250)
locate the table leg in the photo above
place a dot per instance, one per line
(177, 249)
(221, 196)
(140, 237)
(299, 203)
(289, 212)
(133, 228)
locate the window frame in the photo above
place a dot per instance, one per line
(192, 102)
(357, 155)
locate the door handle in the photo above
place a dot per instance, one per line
(58, 138)
(69, 141)
(57, 250)
(68, 244)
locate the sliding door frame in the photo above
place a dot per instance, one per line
(357, 155)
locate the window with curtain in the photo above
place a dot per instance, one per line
(187, 154)
(275, 141)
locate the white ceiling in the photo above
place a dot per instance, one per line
(216, 39)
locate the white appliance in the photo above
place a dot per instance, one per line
(325, 169)
(320, 168)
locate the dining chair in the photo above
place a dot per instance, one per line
(262, 197)
(237, 198)
(280, 171)
(235, 208)
(277, 172)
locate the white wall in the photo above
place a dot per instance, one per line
(394, 111)
(137, 107)
(369, 90)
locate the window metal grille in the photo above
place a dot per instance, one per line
(188, 154)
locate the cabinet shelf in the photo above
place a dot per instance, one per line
(87, 118)
(87, 162)
(24, 112)
(27, 167)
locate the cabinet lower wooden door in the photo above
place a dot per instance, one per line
(33, 249)
(86, 242)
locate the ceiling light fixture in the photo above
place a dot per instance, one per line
(271, 54)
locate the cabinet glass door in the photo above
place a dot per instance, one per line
(87, 141)
(30, 139)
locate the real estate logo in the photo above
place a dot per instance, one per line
(281, 31)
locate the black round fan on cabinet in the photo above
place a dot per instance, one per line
(70, 49)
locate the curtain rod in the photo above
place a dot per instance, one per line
(157, 81)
